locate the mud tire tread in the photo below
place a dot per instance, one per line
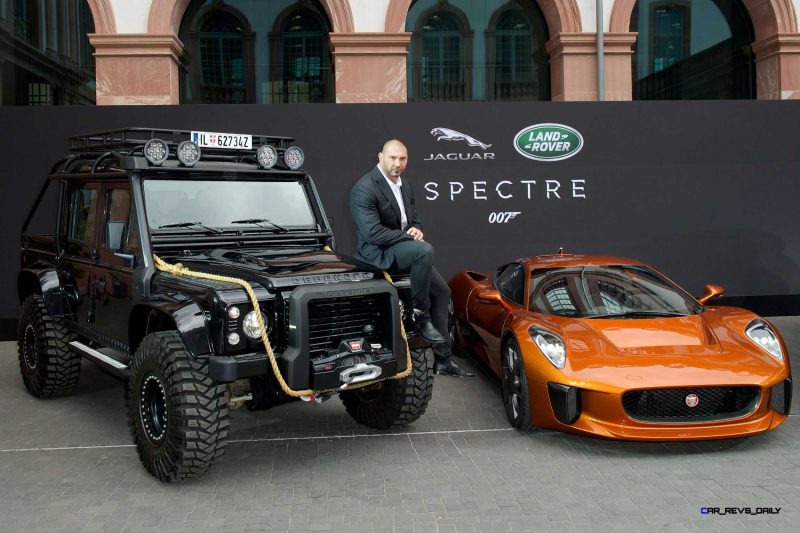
(197, 410)
(398, 402)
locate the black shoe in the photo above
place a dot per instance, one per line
(452, 370)
(428, 332)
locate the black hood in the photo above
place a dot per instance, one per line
(281, 269)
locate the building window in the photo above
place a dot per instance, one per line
(47, 56)
(670, 27)
(243, 51)
(26, 21)
(40, 94)
(517, 62)
(439, 67)
(692, 50)
(304, 59)
(222, 60)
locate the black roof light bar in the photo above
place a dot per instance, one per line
(158, 145)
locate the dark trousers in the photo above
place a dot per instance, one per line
(429, 291)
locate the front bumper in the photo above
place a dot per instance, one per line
(324, 373)
(601, 413)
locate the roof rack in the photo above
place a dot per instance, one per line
(129, 140)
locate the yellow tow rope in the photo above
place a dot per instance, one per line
(306, 394)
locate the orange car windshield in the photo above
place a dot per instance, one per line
(619, 291)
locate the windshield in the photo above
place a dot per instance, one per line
(281, 204)
(623, 291)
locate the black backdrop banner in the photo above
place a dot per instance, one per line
(706, 192)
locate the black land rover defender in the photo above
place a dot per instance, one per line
(237, 213)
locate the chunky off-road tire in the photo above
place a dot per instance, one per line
(177, 415)
(514, 386)
(48, 366)
(394, 402)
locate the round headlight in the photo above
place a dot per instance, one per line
(294, 157)
(267, 156)
(156, 151)
(233, 338)
(188, 153)
(233, 312)
(250, 325)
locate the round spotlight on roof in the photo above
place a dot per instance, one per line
(267, 156)
(156, 151)
(188, 153)
(294, 157)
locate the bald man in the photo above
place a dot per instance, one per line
(390, 238)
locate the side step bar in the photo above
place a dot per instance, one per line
(106, 363)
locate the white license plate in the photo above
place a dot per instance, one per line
(230, 141)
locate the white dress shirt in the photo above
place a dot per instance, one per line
(398, 195)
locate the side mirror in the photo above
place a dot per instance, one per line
(114, 232)
(712, 291)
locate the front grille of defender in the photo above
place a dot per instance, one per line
(670, 405)
(332, 320)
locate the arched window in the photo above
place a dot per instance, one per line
(218, 65)
(516, 59)
(222, 65)
(441, 52)
(692, 49)
(245, 51)
(304, 60)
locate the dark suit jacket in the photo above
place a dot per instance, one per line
(377, 218)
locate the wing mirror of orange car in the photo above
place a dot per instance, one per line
(712, 291)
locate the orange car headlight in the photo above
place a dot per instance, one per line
(761, 333)
(551, 345)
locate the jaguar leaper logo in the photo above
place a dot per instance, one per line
(548, 142)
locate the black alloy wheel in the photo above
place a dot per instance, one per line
(28, 350)
(153, 408)
(514, 386)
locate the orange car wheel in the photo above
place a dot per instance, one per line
(514, 386)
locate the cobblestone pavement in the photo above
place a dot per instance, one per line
(67, 465)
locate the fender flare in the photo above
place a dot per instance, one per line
(160, 313)
(47, 283)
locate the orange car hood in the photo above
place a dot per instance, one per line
(656, 335)
(677, 351)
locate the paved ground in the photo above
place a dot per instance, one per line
(68, 465)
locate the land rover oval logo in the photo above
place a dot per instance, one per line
(548, 142)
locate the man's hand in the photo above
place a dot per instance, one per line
(415, 232)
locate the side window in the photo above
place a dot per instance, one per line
(511, 283)
(83, 208)
(119, 231)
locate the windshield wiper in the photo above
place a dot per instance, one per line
(631, 314)
(260, 222)
(189, 225)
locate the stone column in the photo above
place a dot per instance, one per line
(137, 68)
(778, 67)
(573, 66)
(618, 48)
(370, 67)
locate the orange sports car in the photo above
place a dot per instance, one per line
(608, 346)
